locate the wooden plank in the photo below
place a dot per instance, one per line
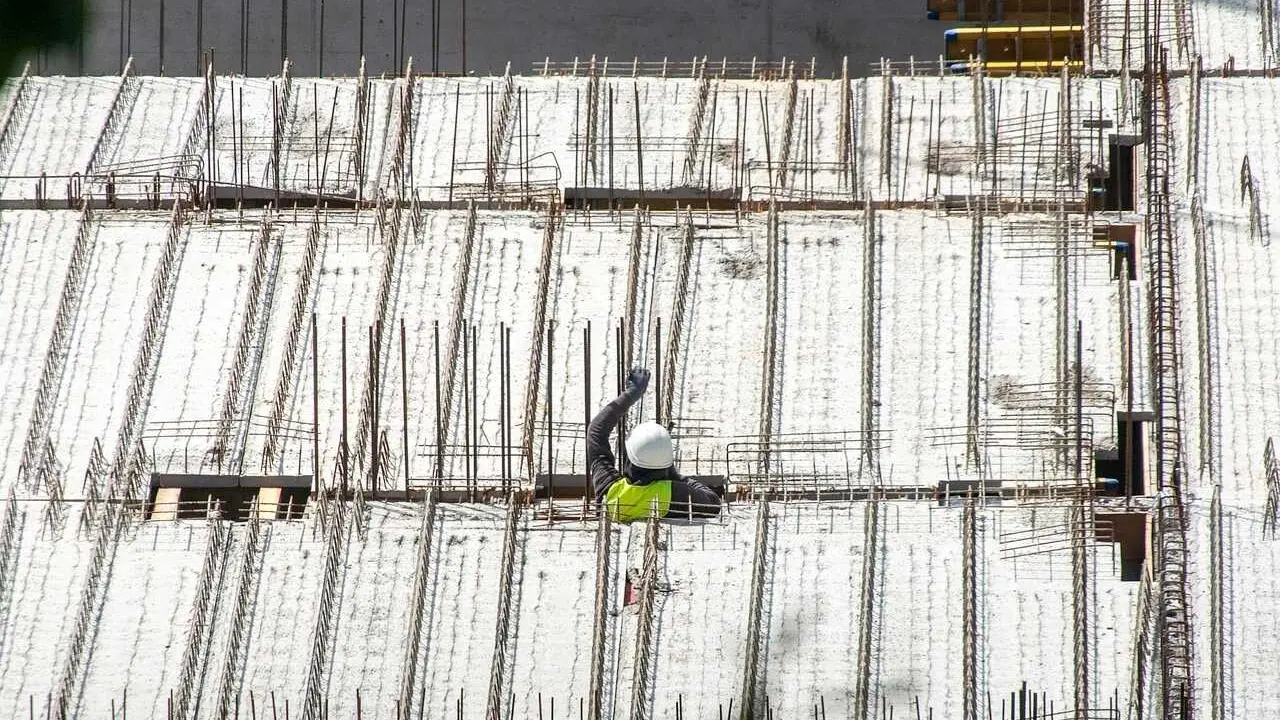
(166, 504)
(268, 503)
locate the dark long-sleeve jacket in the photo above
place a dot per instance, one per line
(689, 498)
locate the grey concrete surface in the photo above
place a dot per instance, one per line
(324, 36)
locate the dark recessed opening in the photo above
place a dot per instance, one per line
(195, 503)
(1120, 179)
(1119, 469)
(1108, 470)
(228, 497)
(229, 503)
(1130, 452)
(1129, 531)
(594, 198)
(230, 197)
(292, 502)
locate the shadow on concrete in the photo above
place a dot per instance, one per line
(326, 37)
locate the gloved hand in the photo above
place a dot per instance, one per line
(637, 382)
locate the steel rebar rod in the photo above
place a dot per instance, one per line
(753, 701)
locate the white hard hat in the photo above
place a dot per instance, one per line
(649, 446)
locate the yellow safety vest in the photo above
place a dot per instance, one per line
(626, 502)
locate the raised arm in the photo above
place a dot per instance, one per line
(600, 460)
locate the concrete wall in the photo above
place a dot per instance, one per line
(168, 35)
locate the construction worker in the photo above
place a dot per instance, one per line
(650, 480)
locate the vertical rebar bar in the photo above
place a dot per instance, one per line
(635, 260)
(435, 331)
(1206, 315)
(507, 413)
(373, 400)
(609, 88)
(600, 618)
(315, 404)
(977, 249)
(277, 129)
(508, 585)
(284, 30)
(870, 600)
(404, 406)
(657, 371)
(475, 402)
(578, 144)
(1220, 660)
(502, 406)
(768, 389)
(244, 35)
(466, 413)
(871, 345)
(752, 682)
(343, 459)
(551, 494)
(969, 619)
(453, 151)
(639, 144)
(620, 375)
(678, 311)
(546, 269)
(640, 683)
(586, 410)
(1082, 534)
(414, 639)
